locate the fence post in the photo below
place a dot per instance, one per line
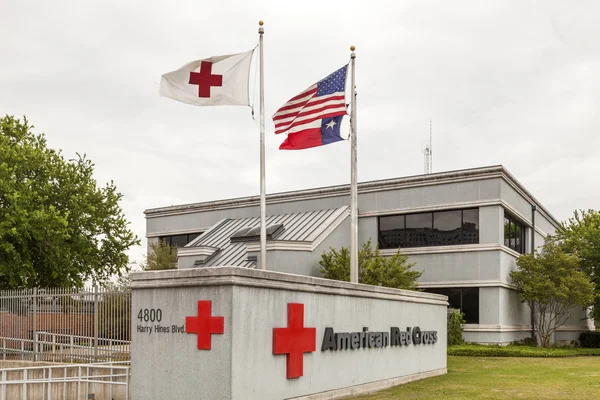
(25, 382)
(95, 323)
(3, 383)
(35, 350)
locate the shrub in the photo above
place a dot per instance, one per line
(493, 350)
(455, 330)
(528, 341)
(373, 268)
(590, 340)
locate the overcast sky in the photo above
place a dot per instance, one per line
(505, 82)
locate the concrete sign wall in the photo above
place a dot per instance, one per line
(235, 333)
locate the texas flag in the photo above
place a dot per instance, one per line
(313, 117)
(214, 81)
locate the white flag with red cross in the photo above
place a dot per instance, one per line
(214, 81)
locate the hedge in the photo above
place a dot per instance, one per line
(590, 339)
(478, 350)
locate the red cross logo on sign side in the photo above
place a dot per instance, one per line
(294, 340)
(204, 324)
(205, 79)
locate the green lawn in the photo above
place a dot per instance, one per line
(505, 378)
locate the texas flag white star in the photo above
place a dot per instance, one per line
(331, 124)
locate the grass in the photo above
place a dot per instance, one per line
(505, 378)
(478, 350)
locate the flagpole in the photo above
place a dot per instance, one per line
(353, 183)
(263, 200)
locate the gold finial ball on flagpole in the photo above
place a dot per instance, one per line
(261, 23)
(352, 48)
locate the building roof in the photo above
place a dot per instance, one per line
(225, 243)
(496, 171)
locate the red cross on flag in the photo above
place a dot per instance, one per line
(214, 81)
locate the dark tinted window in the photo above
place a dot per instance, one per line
(447, 227)
(464, 299)
(518, 240)
(514, 233)
(391, 232)
(419, 230)
(470, 226)
(439, 228)
(179, 240)
(470, 304)
(192, 236)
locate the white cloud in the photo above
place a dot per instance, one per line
(508, 83)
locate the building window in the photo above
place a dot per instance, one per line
(179, 240)
(447, 228)
(470, 226)
(514, 233)
(391, 232)
(439, 228)
(464, 299)
(419, 229)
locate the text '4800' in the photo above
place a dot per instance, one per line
(150, 314)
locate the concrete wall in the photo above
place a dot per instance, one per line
(491, 224)
(168, 365)
(513, 312)
(576, 323)
(495, 335)
(459, 267)
(517, 203)
(489, 306)
(543, 224)
(186, 261)
(446, 194)
(241, 363)
(367, 229)
(468, 193)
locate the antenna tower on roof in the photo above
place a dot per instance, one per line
(428, 153)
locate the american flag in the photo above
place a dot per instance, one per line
(324, 99)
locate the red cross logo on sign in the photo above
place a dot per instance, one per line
(204, 324)
(294, 340)
(205, 79)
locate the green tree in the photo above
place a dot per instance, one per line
(373, 268)
(580, 236)
(57, 227)
(455, 324)
(161, 256)
(552, 284)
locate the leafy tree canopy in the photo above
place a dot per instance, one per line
(161, 256)
(373, 268)
(580, 236)
(57, 227)
(551, 283)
